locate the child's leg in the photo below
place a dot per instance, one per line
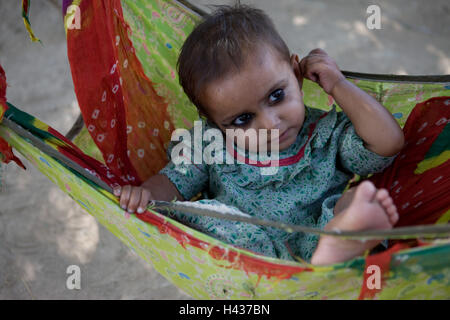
(368, 209)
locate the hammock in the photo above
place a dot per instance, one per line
(130, 99)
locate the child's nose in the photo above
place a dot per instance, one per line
(269, 120)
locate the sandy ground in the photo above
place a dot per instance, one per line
(42, 231)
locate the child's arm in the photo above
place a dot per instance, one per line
(373, 123)
(157, 187)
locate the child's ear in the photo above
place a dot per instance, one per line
(296, 67)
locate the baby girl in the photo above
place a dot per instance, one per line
(239, 73)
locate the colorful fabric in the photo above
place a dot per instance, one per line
(311, 176)
(156, 30)
(26, 20)
(6, 153)
(123, 113)
(419, 179)
(152, 33)
(207, 268)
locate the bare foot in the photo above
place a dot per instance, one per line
(370, 209)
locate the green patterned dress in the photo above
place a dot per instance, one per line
(311, 176)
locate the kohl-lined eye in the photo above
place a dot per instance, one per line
(276, 96)
(242, 120)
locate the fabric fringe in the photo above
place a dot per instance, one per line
(26, 21)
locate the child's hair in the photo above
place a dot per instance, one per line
(220, 44)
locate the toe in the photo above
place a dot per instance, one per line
(393, 215)
(394, 218)
(391, 210)
(365, 191)
(387, 202)
(382, 195)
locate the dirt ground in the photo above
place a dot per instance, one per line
(43, 231)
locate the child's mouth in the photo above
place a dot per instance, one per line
(283, 136)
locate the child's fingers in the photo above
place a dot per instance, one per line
(317, 51)
(117, 191)
(312, 75)
(310, 71)
(303, 66)
(309, 66)
(135, 198)
(145, 198)
(125, 196)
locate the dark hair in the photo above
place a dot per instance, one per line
(220, 44)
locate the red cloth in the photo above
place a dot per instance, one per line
(126, 118)
(378, 266)
(7, 154)
(420, 198)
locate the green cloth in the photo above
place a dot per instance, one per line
(302, 193)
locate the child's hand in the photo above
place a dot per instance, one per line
(133, 198)
(317, 66)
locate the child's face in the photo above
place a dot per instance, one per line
(264, 94)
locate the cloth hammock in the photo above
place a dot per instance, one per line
(123, 66)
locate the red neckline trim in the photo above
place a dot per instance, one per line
(270, 163)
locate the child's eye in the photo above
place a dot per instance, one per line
(242, 120)
(276, 96)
